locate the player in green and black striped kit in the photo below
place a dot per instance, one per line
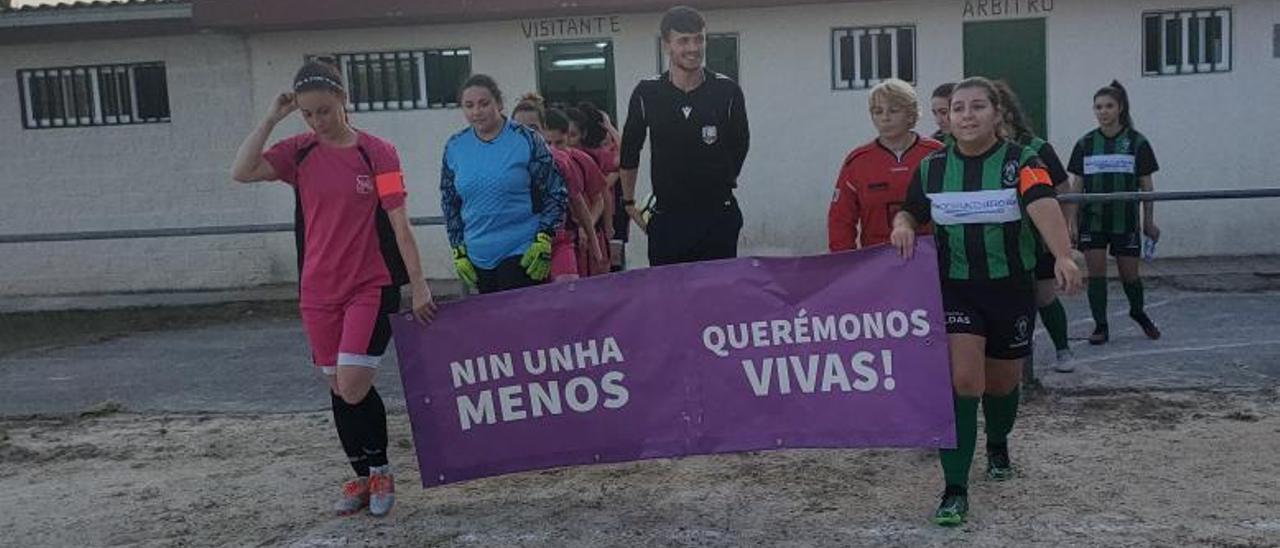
(979, 193)
(1114, 158)
(1018, 129)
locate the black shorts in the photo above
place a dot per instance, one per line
(507, 275)
(1003, 311)
(1121, 245)
(621, 221)
(694, 235)
(1044, 266)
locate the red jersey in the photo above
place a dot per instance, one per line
(571, 174)
(346, 244)
(606, 157)
(581, 175)
(593, 180)
(594, 185)
(870, 190)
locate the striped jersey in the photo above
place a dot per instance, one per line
(978, 207)
(1111, 164)
(1057, 173)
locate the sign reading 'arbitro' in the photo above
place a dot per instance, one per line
(1000, 8)
(571, 26)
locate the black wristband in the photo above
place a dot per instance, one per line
(626, 203)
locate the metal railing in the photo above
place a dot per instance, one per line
(1028, 365)
(1171, 195)
(134, 234)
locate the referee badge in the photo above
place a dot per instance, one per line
(1010, 173)
(710, 134)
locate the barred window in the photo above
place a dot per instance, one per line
(862, 57)
(404, 80)
(720, 55)
(99, 95)
(1186, 41)
(1275, 41)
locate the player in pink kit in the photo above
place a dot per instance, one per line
(574, 254)
(355, 250)
(559, 134)
(592, 132)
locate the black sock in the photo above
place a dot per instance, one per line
(373, 415)
(350, 434)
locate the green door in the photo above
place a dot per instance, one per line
(1013, 51)
(570, 72)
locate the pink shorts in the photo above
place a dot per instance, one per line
(354, 333)
(564, 260)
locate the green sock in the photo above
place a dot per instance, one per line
(1098, 300)
(1000, 413)
(956, 462)
(1054, 317)
(1133, 290)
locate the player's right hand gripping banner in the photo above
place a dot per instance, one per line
(845, 350)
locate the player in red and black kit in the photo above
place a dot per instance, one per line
(355, 249)
(872, 184)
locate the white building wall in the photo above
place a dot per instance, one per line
(133, 176)
(1209, 131)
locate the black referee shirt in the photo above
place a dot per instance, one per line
(699, 139)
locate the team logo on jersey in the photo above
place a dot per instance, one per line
(686, 110)
(710, 134)
(1022, 328)
(1010, 174)
(1122, 146)
(364, 185)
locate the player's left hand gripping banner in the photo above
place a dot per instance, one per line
(845, 350)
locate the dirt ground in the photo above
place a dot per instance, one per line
(1174, 469)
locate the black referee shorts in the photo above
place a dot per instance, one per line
(686, 236)
(1003, 311)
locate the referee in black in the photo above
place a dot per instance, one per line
(696, 121)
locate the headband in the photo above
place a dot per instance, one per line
(330, 82)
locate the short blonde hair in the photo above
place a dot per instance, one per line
(896, 93)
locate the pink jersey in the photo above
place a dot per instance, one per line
(572, 175)
(594, 185)
(606, 157)
(344, 193)
(593, 181)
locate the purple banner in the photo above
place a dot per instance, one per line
(845, 350)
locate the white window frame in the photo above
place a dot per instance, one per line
(868, 77)
(1183, 65)
(96, 114)
(418, 60)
